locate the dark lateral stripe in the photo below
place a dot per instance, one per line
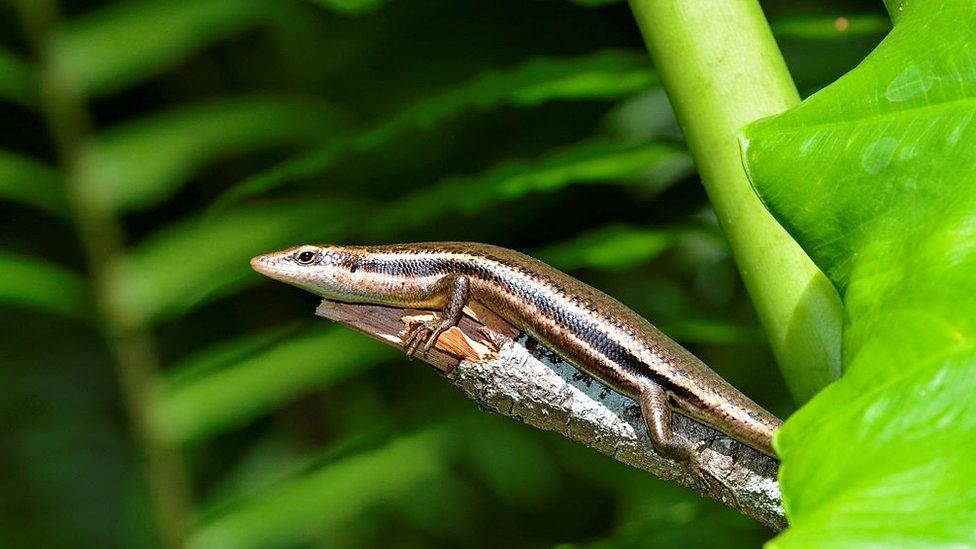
(550, 300)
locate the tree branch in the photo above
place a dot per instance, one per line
(510, 373)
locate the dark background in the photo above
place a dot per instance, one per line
(356, 446)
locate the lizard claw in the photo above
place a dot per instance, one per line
(424, 333)
(713, 481)
(706, 442)
(412, 338)
(494, 338)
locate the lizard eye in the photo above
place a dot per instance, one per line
(305, 258)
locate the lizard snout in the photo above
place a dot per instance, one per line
(261, 264)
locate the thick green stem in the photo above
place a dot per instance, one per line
(101, 234)
(722, 69)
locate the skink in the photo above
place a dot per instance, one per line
(590, 329)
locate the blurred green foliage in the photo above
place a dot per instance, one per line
(225, 128)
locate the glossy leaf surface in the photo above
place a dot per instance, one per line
(120, 45)
(203, 396)
(876, 177)
(37, 284)
(28, 181)
(145, 161)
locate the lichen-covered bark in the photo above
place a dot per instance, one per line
(512, 374)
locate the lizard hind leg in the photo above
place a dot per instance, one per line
(657, 416)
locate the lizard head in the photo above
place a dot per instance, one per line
(325, 270)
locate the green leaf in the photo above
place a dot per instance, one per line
(37, 284)
(239, 380)
(29, 181)
(819, 27)
(875, 177)
(615, 247)
(603, 75)
(326, 498)
(142, 162)
(122, 44)
(222, 355)
(651, 166)
(199, 259)
(896, 8)
(350, 7)
(18, 80)
(274, 459)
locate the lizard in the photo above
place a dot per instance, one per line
(593, 331)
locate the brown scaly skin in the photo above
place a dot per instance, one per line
(590, 329)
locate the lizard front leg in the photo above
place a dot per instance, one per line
(456, 290)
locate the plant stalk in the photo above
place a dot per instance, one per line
(722, 69)
(130, 341)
